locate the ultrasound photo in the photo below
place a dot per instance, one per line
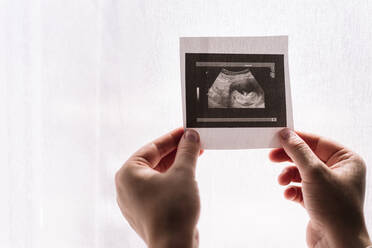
(236, 89)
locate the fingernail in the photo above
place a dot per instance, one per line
(192, 136)
(286, 133)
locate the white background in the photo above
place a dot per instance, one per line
(85, 83)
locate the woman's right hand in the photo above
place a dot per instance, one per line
(332, 188)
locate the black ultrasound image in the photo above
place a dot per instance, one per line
(233, 89)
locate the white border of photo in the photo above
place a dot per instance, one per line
(238, 137)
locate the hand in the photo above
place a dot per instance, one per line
(332, 188)
(157, 192)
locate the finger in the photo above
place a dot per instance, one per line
(166, 162)
(288, 175)
(324, 148)
(196, 238)
(137, 166)
(294, 193)
(300, 153)
(187, 153)
(153, 152)
(278, 155)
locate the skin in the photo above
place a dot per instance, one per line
(158, 195)
(157, 192)
(332, 180)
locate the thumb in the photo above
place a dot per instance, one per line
(301, 154)
(187, 153)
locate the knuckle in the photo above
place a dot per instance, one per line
(298, 145)
(317, 170)
(359, 159)
(119, 178)
(183, 172)
(187, 151)
(360, 162)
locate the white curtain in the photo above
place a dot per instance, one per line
(84, 83)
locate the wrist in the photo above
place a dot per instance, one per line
(347, 231)
(365, 239)
(362, 241)
(357, 238)
(179, 240)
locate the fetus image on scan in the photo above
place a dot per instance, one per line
(236, 90)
